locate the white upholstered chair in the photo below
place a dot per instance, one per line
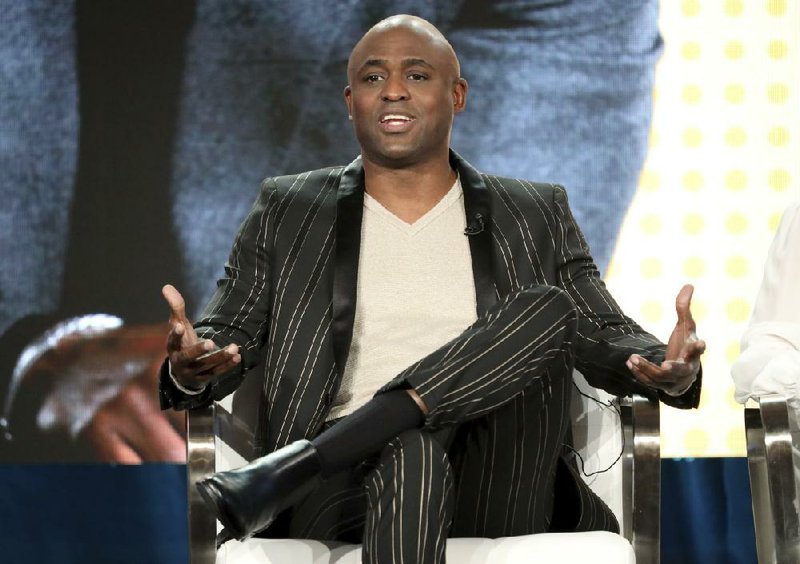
(216, 440)
(773, 460)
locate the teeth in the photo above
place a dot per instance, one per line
(395, 117)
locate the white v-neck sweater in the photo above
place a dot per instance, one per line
(416, 292)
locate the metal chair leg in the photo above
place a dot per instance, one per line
(200, 461)
(776, 504)
(642, 477)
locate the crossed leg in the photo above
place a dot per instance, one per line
(486, 460)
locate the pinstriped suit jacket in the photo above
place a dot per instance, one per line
(289, 293)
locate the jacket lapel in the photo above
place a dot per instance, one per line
(478, 211)
(349, 211)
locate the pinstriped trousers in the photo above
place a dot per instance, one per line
(484, 463)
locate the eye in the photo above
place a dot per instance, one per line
(417, 76)
(372, 78)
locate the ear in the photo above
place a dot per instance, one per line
(460, 95)
(348, 100)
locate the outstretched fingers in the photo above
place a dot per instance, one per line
(683, 303)
(175, 337)
(177, 304)
(672, 376)
(693, 349)
(649, 373)
(213, 361)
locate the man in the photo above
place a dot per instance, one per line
(464, 300)
(181, 85)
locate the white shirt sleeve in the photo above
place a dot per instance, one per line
(184, 389)
(770, 359)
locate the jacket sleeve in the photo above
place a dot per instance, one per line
(606, 337)
(239, 312)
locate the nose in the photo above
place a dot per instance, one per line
(394, 89)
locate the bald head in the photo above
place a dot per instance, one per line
(424, 29)
(403, 93)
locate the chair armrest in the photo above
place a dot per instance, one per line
(200, 462)
(641, 470)
(772, 479)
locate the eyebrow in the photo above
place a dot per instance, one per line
(409, 62)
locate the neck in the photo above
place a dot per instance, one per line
(409, 192)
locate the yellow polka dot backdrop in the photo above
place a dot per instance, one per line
(693, 180)
(699, 309)
(691, 51)
(649, 181)
(651, 224)
(652, 311)
(694, 267)
(736, 223)
(778, 136)
(773, 221)
(736, 179)
(722, 165)
(734, 8)
(698, 440)
(694, 223)
(779, 179)
(737, 310)
(693, 137)
(778, 92)
(732, 351)
(736, 267)
(776, 7)
(735, 136)
(651, 267)
(690, 8)
(734, 93)
(736, 440)
(734, 50)
(730, 398)
(777, 49)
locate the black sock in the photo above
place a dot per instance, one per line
(367, 430)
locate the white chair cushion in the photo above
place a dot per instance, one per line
(558, 548)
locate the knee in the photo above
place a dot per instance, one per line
(415, 451)
(565, 306)
(561, 301)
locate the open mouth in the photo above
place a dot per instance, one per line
(396, 122)
(395, 118)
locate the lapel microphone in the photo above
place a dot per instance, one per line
(475, 226)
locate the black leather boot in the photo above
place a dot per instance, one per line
(248, 499)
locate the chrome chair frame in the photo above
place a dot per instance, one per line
(641, 461)
(773, 485)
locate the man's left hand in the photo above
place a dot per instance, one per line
(682, 362)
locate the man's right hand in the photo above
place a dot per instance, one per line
(194, 362)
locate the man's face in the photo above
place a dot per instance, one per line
(404, 90)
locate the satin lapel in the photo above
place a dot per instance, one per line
(478, 212)
(349, 211)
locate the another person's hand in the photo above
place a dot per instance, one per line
(194, 362)
(682, 362)
(130, 428)
(92, 395)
